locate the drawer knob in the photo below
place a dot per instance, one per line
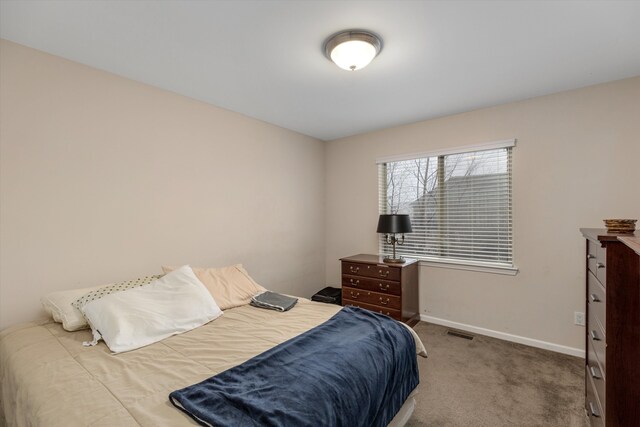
(594, 336)
(595, 372)
(384, 302)
(387, 313)
(384, 273)
(355, 296)
(354, 269)
(594, 298)
(356, 283)
(593, 410)
(599, 265)
(383, 287)
(590, 256)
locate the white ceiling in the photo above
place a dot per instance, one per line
(264, 58)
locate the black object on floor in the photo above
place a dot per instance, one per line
(329, 295)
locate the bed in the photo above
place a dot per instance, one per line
(48, 378)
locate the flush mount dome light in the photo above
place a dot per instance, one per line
(353, 49)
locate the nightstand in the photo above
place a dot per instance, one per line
(390, 289)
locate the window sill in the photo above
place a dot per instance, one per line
(468, 266)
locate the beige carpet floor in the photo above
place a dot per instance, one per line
(489, 382)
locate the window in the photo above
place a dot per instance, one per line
(459, 203)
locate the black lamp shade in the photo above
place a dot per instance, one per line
(394, 224)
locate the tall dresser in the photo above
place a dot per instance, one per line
(390, 289)
(612, 368)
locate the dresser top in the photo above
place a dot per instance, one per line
(376, 259)
(632, 241)
(602, 234)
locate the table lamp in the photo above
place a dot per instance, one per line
(391, 225)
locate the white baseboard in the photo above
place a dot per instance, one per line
(504, 336)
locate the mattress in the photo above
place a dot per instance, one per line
(48, 378)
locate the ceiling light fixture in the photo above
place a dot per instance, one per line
(353, 49)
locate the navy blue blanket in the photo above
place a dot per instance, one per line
(356, 369)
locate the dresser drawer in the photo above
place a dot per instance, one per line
(597, 379)
(601, 265)
(382, 286)
(373, 298)
(596, 302)
(371, 270)
(596, 352)
(594, 410)
(394, 314)
(592, 251)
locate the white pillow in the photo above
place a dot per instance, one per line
(112, 289)
(176, 303)
(58, 305)
(63, 306)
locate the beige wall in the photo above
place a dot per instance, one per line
(104, 179)
(575, 163)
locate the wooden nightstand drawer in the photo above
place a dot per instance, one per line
(382, 286)
(378, 271)
(373, 298)
(394, 314)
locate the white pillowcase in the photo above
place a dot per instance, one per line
(58, 305)
(176, 303)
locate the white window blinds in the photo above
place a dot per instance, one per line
(459, 204)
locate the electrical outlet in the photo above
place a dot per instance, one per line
(578, 318)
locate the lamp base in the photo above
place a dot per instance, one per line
(394, 260)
